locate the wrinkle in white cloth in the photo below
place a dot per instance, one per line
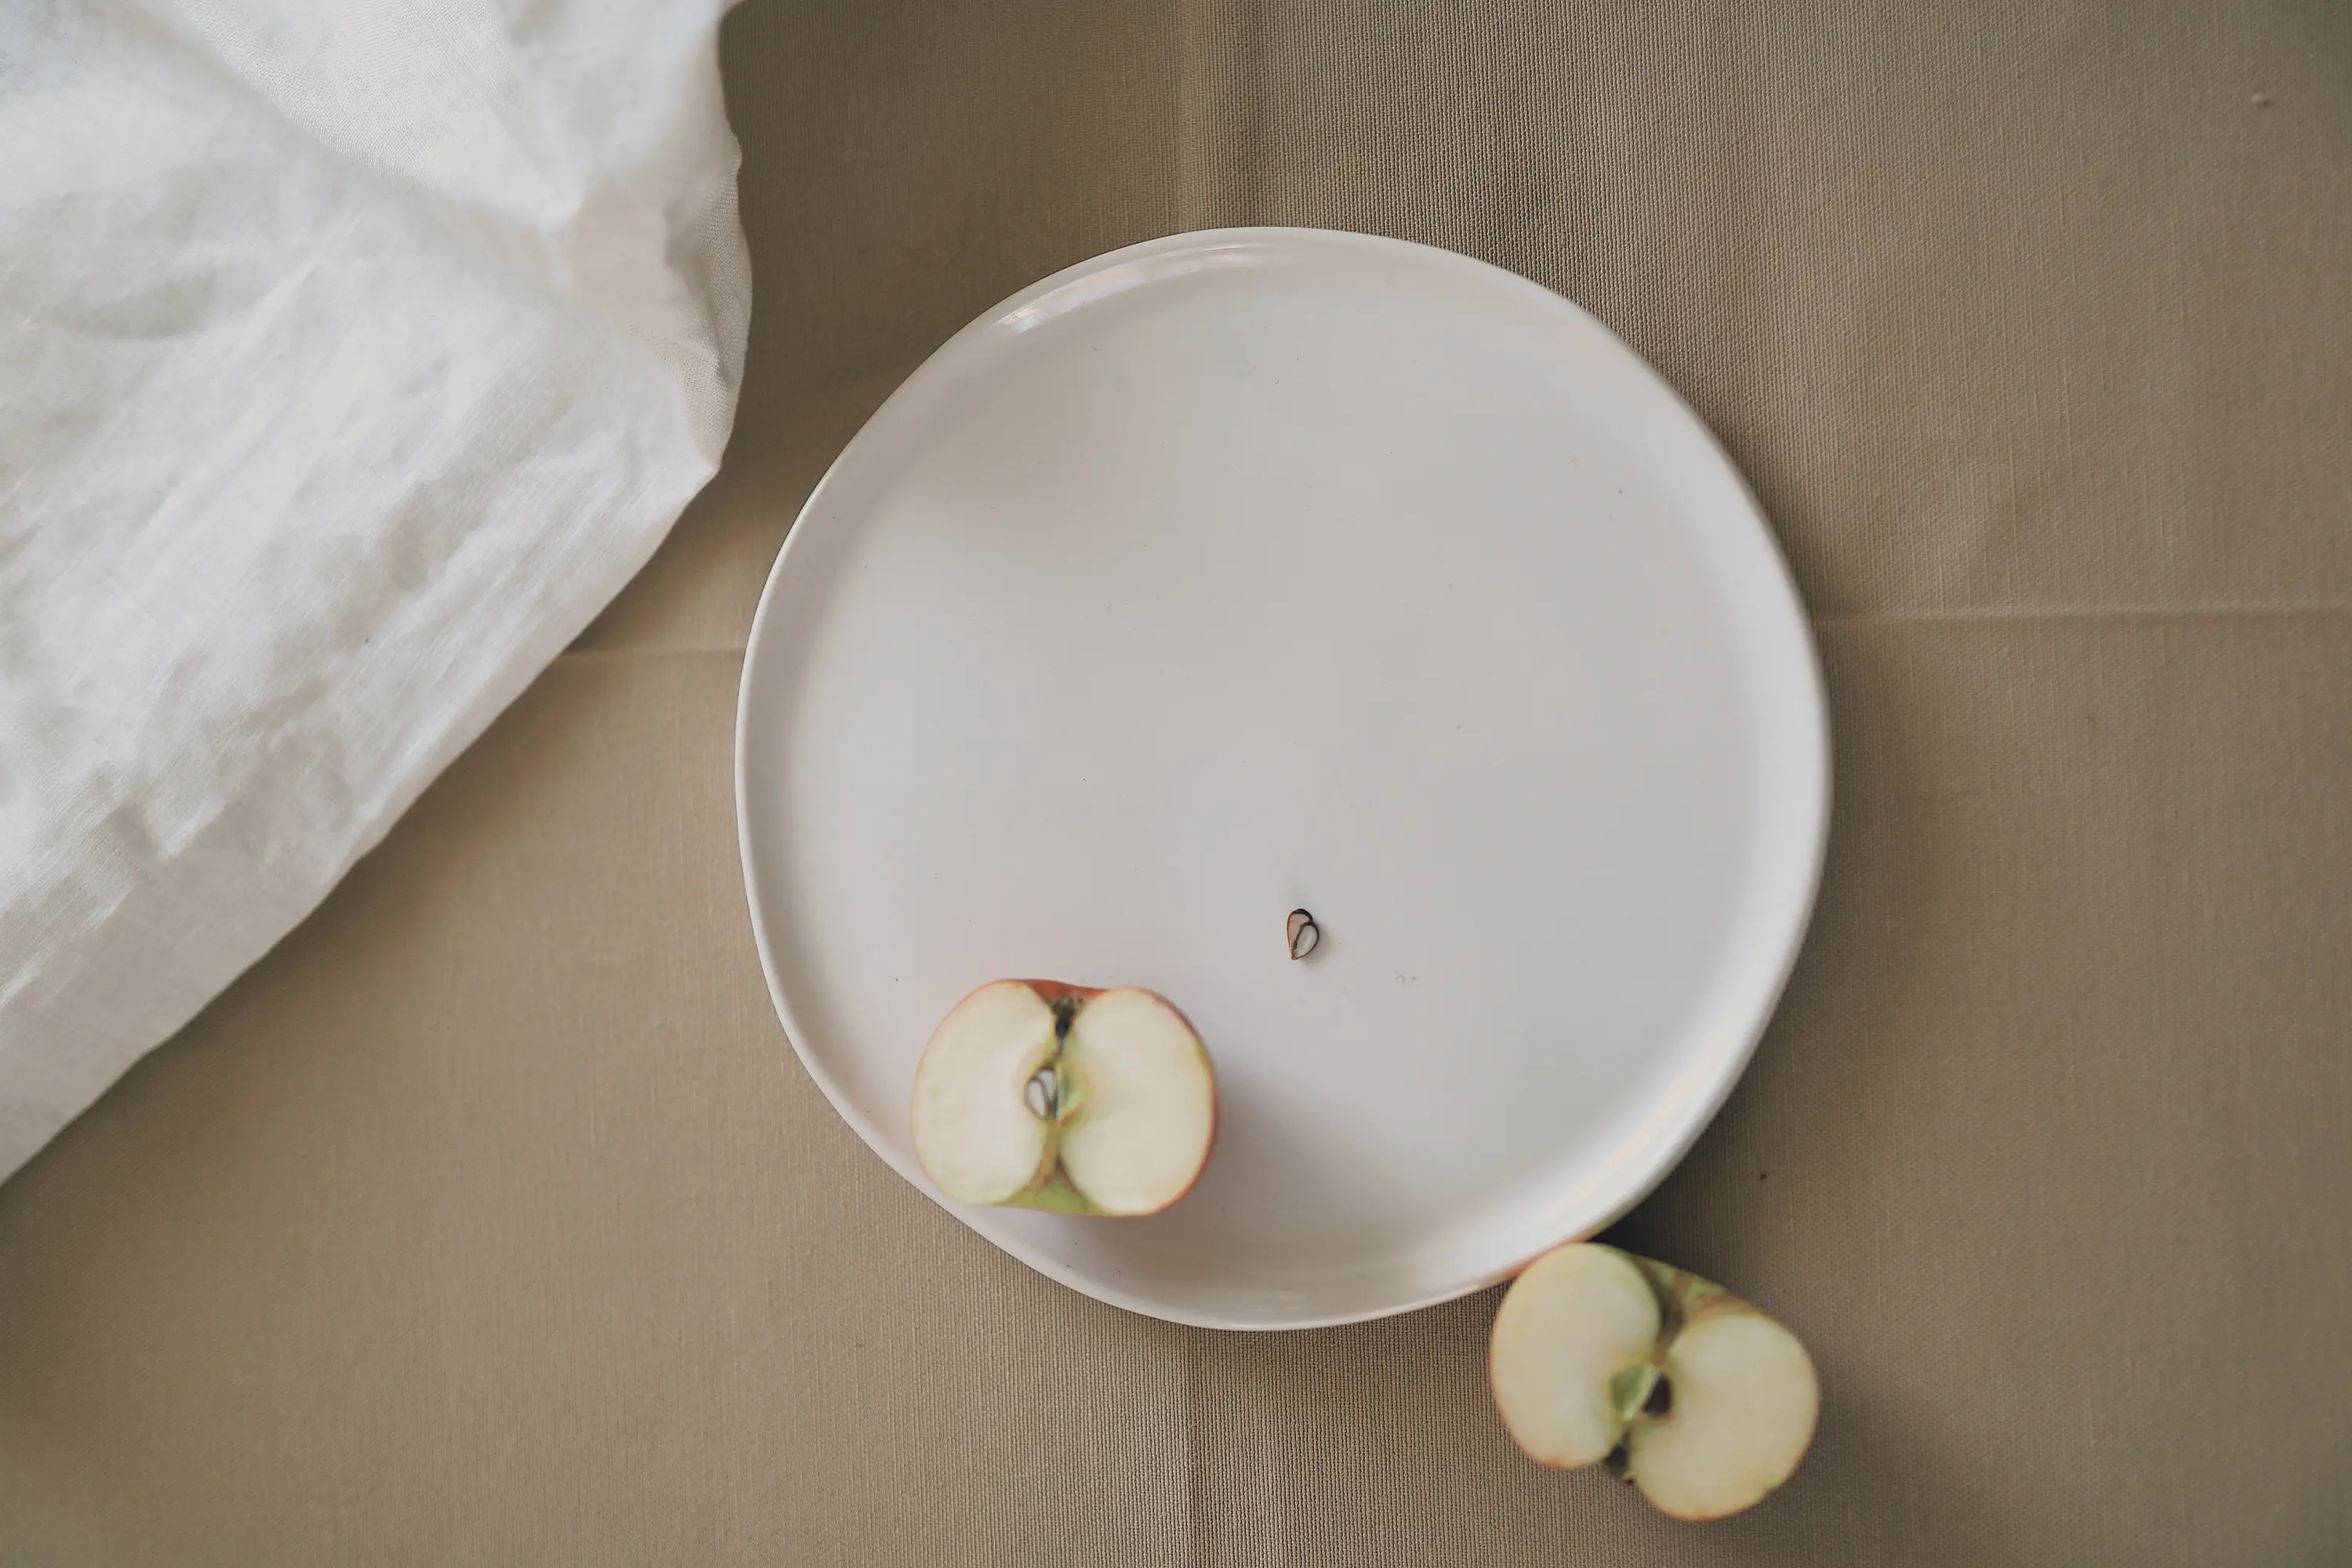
(354, 354)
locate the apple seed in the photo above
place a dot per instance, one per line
(1303, 934)
(1044, 1093)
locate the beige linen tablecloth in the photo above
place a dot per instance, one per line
(489, 1220)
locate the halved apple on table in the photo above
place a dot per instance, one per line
(1039, 1095)
(1695, 1397)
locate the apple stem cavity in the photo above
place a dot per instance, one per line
(1302, 933)
(1630, 1391)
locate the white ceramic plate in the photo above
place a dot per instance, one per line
(1266, 568)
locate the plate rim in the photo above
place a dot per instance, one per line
(1813, 691)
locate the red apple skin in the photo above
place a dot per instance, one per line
(1051, 991)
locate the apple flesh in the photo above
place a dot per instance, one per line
(1040, 1095)
(1700, 1400)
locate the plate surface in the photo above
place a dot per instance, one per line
(1264, 568)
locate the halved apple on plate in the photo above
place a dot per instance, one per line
(1038, 1095)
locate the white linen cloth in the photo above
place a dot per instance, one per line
(353, 354)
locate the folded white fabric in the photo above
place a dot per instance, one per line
(353, 354)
